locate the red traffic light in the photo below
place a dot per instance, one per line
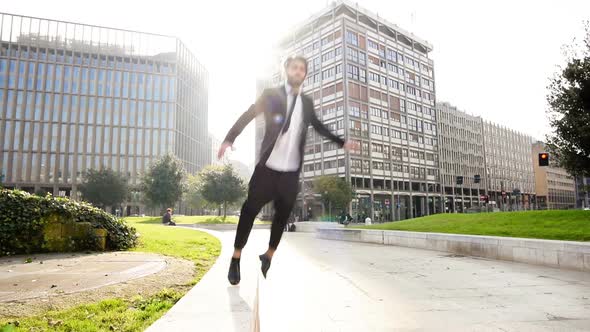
(543, 156)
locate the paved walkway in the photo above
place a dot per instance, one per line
(322, 285)
(51, 274)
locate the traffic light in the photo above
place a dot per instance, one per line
(477, 178)
(543, 159)
(460, 179)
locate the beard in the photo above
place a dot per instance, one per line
(294, 82)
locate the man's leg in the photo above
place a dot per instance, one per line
(287, 192)
(260, 192)
(288, 188)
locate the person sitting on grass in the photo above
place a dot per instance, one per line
(167, 218)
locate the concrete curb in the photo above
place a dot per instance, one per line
(570, 255)
(314, 226)
(222, 227)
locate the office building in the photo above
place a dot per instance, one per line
(556, 189)
(461, 158)
(78, 96)
(509, 171)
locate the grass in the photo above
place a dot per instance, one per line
(191, 220)
(573, 225)
(137, 313)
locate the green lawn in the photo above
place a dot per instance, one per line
(138, 313)
(573, 225)
(191, 220)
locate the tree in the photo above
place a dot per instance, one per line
(162, 185)
(104, 187)
(335, 191)
(569, 113)
(193, 197)
(221, 186)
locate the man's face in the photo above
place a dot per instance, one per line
(296, 72)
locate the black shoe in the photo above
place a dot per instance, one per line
(234, 271)
(265, 264)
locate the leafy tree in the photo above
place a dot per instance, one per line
(162, 185)
(569, 113)
(335, 191)
(221, 186)
(104, 187)
(193, 197)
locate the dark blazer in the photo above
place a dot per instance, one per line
(273, 104)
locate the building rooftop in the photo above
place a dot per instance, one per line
(43, 32)
(365, 16)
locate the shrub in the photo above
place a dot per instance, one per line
(23, 218)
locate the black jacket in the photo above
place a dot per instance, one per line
(273, 104)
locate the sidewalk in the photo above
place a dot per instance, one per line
(53, 274)
(329, 286)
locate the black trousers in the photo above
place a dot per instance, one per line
(268, 185)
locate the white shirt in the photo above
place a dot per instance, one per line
(285, 153)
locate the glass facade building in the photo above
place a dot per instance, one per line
(76, 96)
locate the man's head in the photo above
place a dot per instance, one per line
(169, 210)
(296, 70)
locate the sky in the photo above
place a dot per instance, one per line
(491, 58)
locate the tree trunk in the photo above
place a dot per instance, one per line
(219, 210)
(224, 210)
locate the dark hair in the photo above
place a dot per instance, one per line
(296, 58)
(169, 210)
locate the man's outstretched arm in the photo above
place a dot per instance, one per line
(241, 123)
(324, 131)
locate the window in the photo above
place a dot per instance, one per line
(352, 38)
(391, 55)
(352, 54)
(372, 44)
(373, 77)
(376, 130)
(328, 73)
(329, 109)
(354, 109)
(328, 55)
(377, 148)
(353, 72)
(394, 84)
(375, 111)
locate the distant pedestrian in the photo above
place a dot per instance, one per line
(167, 218)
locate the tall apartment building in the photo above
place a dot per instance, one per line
(556, 189)
(77, 96)
(461, 154)
(509, 172)
(372, 82)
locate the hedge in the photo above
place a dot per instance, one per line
(23, 218)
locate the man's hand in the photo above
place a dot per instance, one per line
(222, 148)
(351, 145)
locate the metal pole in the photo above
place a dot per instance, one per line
(462, 199)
